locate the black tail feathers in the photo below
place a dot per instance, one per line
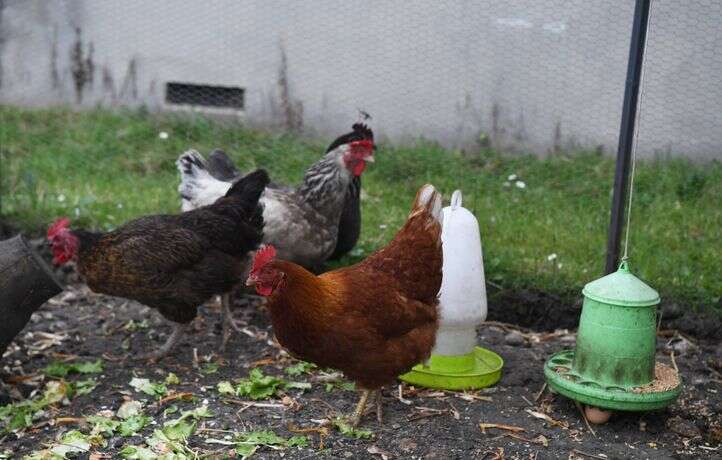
(250, 186)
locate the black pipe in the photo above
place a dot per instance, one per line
(626, 132)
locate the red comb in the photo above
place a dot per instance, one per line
(362, 145)
(263, 256)
(58, 225)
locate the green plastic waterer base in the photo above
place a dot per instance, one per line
(478, 369)
(562, 379)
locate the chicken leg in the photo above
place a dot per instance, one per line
(227, 320)
(363, 402)
(170, 343)
(360, 407)
(379, 406)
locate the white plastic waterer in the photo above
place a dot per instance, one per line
(456, 362)
(462, 299)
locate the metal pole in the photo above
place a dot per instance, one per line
(626, 132)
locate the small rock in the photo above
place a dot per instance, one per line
(681, 347)
(348, 454)
(715, 434)
(671, 311)
(407, 444)
(715, 362)
(682, 427)
(116, 443)
(59, 326)
(436, 454)
(514, 338)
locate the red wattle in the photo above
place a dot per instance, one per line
(358, 168)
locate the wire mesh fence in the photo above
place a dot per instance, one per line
(681, 111)
(533, 76)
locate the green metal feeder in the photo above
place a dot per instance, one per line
(613, 365)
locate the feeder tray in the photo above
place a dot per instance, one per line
(613, 365)
(562, 379)
(478, 369)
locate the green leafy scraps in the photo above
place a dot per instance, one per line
(209, 368)
(105, 426)
(170, 441)
(132, 421)
(62, 369)
(170, 410)
(81, 387)
(260, 386)
(150, 388)
(132, 326)
(172, 379)
(71, 442)
(301, 367)
(341, 385)
(225, 388)
(181, 428)
(129, 408)
(137, 453)
(347, 430)
(246, 444)
(133, 424)
(19, 415)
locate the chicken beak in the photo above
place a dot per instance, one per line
(370, 159)
(251, 281)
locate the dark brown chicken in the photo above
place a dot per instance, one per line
(373, 320)
(172, 263)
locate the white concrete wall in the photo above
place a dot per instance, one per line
(528, 75)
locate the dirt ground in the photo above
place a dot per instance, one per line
(80, 326)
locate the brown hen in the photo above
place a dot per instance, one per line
(373, 320)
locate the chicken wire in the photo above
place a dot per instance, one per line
(525, 75)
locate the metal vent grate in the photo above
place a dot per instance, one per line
(204, 95)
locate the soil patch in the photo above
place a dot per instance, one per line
(79, 326)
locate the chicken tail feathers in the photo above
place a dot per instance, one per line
(428, 199)
(221, 166)
(192, 164)
(250, 187)
(197, 186)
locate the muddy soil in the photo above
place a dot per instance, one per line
(419, 424)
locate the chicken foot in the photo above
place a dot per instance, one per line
(170, 343)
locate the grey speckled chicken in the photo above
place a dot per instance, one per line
(318, 220)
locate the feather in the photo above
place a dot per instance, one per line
(198, 187)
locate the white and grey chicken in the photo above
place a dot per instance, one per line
(301, 222)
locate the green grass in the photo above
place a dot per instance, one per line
(102, 168)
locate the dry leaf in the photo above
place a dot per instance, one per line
(545, 417)
(501, 426)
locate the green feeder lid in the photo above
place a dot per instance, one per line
(621, 288)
